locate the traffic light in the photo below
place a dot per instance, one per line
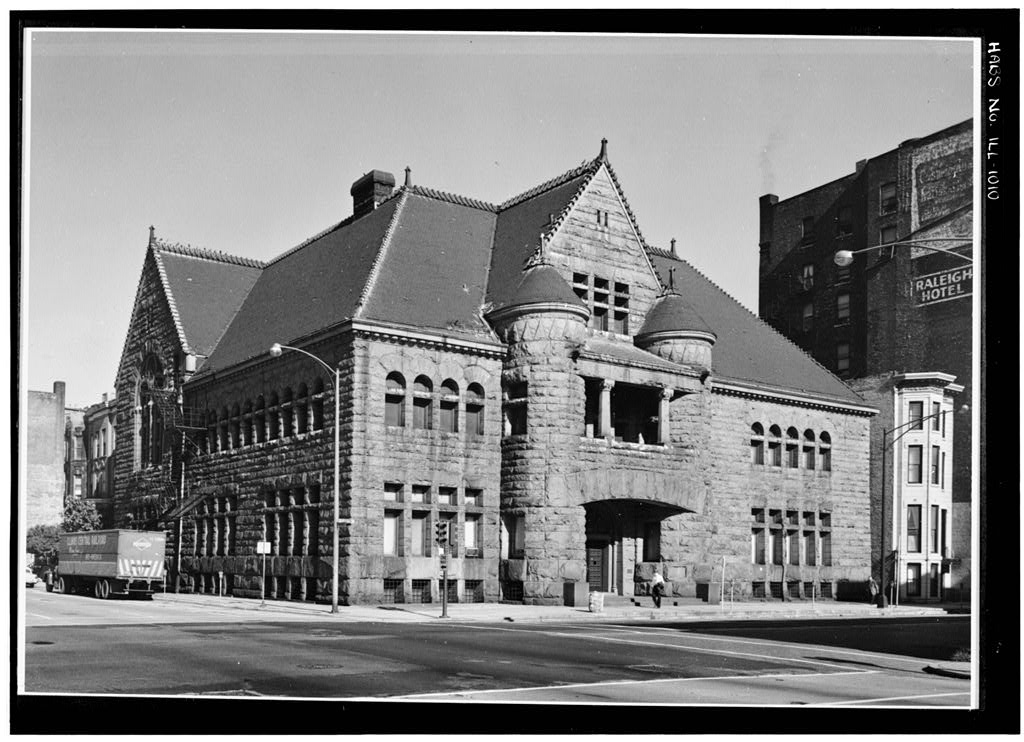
(442, 532)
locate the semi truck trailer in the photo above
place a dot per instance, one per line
(105, 563)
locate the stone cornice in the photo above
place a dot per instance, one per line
(791, 398)
(365, 328)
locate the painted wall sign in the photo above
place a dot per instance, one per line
(946, 285)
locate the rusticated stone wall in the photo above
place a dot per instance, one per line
(413, 457)
(741, 485)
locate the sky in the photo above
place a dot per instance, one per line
(248, 143)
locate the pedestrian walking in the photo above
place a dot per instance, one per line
(873, 590)
(657, 588)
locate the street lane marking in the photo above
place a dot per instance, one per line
(604, 683)
(40, 615)
(892, 698)
(663, 645)
(791, 645)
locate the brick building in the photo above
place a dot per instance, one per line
(45, 457)
(99, 439)
(895, 317)
(580, 407)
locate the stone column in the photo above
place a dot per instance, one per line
(664, 423)
(605, 409)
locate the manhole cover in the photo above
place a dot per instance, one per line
(320, 667)
(42, 642)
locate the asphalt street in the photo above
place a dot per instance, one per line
(78, 645)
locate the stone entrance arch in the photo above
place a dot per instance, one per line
(623, 535)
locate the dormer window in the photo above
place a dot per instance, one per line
(608, 302)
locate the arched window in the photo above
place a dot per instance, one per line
(757, 443)
(825, 451)
(808, 449)
(422, 403)
(222, 430)
(474, 410)
(149, 411)
(273, 418)
(449, 407)
(317, 405)
(259, 420)
(247, 427)
(792, 448)
(287, 418)
(302, 410)
(394, 400)
(236, 427)
(211, 431)
(775, 445)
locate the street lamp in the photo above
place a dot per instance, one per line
(275, 351)
(843, 258)
(881, 536)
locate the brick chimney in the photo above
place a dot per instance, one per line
(370, 190)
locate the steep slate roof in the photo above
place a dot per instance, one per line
(433, 271)
(522, 220)
(747, 349)
(306, 289)
(204, 289)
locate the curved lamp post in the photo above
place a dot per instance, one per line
(844, 258)
(881, 537)
(275, 351)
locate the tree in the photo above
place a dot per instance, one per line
(43, 542)
(80, 515)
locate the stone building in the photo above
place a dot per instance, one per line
(99, 439)
(580, 407)
(44, 455)
(894, 316)
(74, 452)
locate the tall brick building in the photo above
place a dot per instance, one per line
(580, 407)
(896, 324)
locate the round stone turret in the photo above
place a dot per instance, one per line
(674, 331)
(542, 296)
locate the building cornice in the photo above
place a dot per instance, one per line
(379, 330)
(925, 377)
(791, 398)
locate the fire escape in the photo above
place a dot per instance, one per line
(180, 426)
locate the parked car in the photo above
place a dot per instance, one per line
(30, 577)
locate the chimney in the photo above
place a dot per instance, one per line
(767, 203)
(675, 253)
(104, 399)
(370, 190)
(859, 166)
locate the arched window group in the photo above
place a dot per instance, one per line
(447, 409)
(793, 451)
(267, 418)
(149, 414)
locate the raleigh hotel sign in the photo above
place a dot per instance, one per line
(946, 285)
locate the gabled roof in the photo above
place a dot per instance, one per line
(204, 289)
(432, 271)
(748, 351)
(521, 222)
(307, 289)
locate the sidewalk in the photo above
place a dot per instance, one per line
(685, 610)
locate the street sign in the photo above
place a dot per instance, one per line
(262, 547)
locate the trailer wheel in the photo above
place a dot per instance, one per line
(102, 589)
(60, 585)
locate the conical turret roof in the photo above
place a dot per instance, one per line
(542, 284)
(672, 313)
